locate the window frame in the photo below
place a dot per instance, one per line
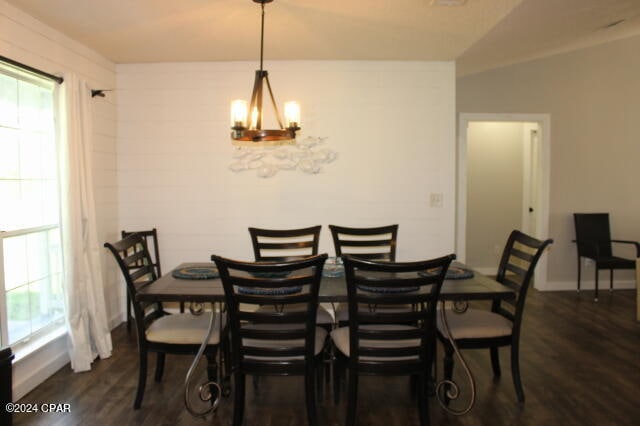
(41, 79)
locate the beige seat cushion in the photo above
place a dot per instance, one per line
(340, 339)
(323, 316)
(342, 310)
(184, 329)
(321, 336)
(475, 323)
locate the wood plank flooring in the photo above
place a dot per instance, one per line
(580, 364)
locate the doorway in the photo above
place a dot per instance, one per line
(503, 176)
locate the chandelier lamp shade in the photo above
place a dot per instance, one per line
(247, 118)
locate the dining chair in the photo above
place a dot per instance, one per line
(379, 342)
(277, 245)
(483, 329)
(150, 237)
(376, 243)
(593, 240)
(281, 245)
(157, 331)
(283, 342)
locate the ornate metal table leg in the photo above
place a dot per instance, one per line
(204, 391)
(453, 390)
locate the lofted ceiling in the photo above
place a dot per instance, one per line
(479, 35)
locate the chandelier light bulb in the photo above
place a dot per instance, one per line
(239, 112)
(292, 114)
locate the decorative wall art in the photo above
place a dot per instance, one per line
(309, 155)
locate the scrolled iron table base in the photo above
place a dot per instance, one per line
(204, 390)
(449, 388)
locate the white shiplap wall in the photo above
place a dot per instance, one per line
(392, 123)
(27, 40)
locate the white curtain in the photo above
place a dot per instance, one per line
(86, 316)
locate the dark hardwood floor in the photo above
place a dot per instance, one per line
(580, 365)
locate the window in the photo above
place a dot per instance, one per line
(31, 298)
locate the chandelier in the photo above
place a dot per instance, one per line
(246, 121)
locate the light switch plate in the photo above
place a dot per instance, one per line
(436, 199)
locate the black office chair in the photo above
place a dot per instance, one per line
(282, 343)
(156, 331)
(379, 342)
(593, 240)
(480, 329)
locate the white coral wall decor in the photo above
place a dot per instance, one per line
(308, 155)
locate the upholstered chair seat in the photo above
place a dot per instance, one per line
(474, 324)
(184, 329)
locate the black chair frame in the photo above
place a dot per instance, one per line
(134, 260)
(308, 244)
(146, 236)
(593, 241)
(283, 358)
(410, 360)
(343, 240)
(511, 274)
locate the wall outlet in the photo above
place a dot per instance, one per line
(436, 199)
(587, 261)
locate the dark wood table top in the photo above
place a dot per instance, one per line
(170, 289)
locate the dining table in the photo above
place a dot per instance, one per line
(457, 290)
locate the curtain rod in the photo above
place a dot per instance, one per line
(55, 78)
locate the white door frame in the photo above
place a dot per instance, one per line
(544, 156)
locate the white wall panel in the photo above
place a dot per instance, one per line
(392, 123)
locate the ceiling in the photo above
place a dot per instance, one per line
(479, 35)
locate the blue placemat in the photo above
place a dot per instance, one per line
(262, 291)
(196, 273)
(453, 273)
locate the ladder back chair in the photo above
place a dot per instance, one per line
(282, 245)
(277, 343)
(379, 342)
(158, 331)
(483, 329)
(278, 245)
(150, 238)
(376, 243)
